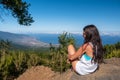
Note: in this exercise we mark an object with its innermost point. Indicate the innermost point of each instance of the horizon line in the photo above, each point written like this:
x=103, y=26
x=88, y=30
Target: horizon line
x=111, y=33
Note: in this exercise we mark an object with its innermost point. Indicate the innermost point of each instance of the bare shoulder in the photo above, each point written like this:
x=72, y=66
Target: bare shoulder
x=87, y=46
x=89, y=50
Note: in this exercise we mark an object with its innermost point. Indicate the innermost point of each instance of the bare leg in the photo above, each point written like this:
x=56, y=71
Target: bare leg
x=71, y=51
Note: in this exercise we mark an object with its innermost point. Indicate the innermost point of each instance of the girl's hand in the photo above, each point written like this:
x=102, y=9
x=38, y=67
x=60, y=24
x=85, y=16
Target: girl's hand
x=69, y=57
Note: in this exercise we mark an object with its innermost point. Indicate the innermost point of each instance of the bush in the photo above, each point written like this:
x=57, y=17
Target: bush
x=59, y=54
x=112, y=50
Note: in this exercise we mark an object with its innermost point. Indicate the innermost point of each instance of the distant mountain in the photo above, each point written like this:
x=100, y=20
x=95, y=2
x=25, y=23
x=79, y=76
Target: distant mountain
x=22, y=40
x=53, y=38
x=43, y=40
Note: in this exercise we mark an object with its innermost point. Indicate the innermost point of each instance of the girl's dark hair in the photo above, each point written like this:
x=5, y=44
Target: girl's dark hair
x=92, y=35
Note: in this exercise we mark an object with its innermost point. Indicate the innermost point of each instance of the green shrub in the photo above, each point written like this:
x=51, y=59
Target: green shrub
x=33, y=60
x=59, y=54
x=5, y=64
x=19, y=60
x=112, y=50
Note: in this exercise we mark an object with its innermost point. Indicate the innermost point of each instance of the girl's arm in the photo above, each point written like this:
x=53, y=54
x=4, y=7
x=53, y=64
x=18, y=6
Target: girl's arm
x=78, y=53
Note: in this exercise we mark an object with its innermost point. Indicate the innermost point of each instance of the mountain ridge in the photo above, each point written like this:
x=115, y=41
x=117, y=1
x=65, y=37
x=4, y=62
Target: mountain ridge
x=22, y=39
x=102, y=33
x=53, y=38
x=42, y=40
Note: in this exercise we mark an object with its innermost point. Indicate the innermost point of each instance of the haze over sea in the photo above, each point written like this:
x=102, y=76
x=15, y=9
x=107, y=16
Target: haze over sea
x=53, y=38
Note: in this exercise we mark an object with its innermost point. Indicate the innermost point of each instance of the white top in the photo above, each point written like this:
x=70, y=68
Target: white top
x=85, y=65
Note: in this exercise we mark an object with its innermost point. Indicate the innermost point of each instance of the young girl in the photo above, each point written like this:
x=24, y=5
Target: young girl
x=85, y=60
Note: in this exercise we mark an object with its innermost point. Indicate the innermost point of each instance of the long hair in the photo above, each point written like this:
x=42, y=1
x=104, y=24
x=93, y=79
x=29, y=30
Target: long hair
x=92, y=35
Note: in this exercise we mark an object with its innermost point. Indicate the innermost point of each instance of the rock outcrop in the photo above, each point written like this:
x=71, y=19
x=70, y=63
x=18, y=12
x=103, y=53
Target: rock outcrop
x=110, y=70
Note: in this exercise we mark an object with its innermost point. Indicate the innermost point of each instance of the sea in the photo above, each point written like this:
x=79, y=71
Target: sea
x=53, y=38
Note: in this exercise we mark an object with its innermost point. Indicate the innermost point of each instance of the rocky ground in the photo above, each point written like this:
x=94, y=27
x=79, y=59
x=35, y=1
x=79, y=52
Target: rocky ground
x=110, y=70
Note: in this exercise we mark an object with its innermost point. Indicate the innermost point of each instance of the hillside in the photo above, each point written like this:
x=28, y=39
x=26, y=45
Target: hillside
x=22, y=40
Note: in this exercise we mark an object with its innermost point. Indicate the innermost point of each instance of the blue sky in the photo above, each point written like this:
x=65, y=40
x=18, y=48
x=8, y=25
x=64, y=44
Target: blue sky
x=56, y=16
